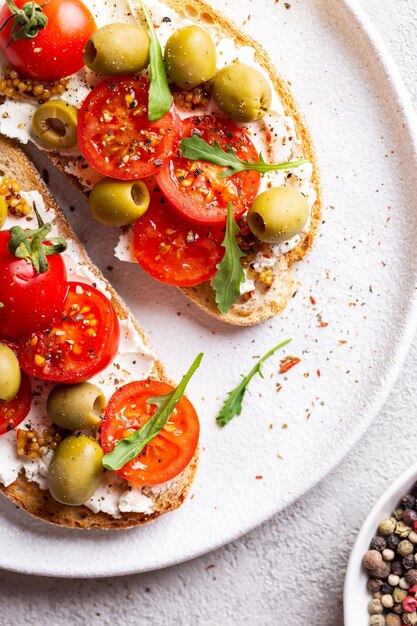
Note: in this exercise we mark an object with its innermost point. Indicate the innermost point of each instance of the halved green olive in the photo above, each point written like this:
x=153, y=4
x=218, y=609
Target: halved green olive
x=55, y=124
x=75, y=407
x=190, y=57
x=119, y=202
x=278, y=214
x=10, y=375
x=3, y=211
x=75, y=471
x=117, y=49
x=241, y=92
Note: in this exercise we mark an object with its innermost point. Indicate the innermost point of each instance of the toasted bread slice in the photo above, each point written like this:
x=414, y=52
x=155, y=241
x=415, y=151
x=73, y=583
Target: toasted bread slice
x=28, y=495
x=267, y=300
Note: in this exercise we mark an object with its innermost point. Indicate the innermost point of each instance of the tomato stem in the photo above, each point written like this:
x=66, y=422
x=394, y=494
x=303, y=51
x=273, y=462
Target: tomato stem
x=27, y=21
x=33, y=244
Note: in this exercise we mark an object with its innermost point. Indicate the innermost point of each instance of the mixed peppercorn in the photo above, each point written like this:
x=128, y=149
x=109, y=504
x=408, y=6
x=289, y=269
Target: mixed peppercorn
x=391, y=563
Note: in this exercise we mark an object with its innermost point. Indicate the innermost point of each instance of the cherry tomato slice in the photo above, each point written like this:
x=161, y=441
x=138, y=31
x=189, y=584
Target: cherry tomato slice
x=169, y=452
x=57, y=50
x=114, y=132
x=194, y=187
x=174, y=250
x=30, y=300
x=14, y=412
x=78, y=345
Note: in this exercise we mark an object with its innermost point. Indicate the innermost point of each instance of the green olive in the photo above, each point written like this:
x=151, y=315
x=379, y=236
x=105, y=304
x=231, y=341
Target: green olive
x=119, y=202
x=190, y=57
x=10, y=375
x=278, y=214
x=241, y=92
x=3, y=211
x=75, y=407
x=117, y=49
x=75, y=471
x=55, y=124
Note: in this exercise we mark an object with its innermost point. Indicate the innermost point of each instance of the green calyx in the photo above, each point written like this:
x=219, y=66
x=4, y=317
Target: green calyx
x=34, y=245
x=27, y=21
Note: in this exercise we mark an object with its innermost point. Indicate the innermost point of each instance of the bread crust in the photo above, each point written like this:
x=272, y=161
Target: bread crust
x=266, y=303
x=28, y=495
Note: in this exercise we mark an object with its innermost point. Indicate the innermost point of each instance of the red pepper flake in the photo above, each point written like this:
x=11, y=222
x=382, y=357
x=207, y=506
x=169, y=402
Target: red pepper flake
x=210, y=566
x=318, y=373
x=308, y=416
x=312, y=300
x=323, y=324
x=288, y=363
x=279, y=387
x=258, y=477
x=342, y=342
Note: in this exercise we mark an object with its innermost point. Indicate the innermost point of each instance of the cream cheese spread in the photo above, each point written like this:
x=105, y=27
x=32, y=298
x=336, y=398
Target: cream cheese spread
x=134, y=361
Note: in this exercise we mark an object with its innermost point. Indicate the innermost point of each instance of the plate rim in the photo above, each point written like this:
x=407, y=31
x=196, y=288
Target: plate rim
x=406, y=110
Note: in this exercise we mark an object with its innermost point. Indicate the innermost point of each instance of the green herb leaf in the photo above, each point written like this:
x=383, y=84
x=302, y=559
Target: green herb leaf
x=233, y=404
x=130, y=447
x=229, y=273
x=33, y=244
x=27, y=21
x=160, y=97
x=197, y=149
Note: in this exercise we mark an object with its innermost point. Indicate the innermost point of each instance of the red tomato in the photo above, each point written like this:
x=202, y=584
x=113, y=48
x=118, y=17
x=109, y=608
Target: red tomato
x=57, y=49
x=114, y=132
x=78, y=345
x=30, y=300
x=194, y=188
x=14, y=412
x=172, y=249
x=169, y=452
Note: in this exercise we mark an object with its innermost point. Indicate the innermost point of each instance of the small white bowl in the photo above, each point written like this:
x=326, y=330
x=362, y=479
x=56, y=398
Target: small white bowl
x=355, y=595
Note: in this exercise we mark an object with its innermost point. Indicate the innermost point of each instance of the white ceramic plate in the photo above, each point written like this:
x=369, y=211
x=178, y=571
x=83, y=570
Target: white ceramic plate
x=362, y=273
x=355, y=596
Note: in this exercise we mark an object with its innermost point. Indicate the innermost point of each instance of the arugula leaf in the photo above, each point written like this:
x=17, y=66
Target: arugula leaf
x=229, y=273
x=197, y=149
x=233, y=404
x=130, y=447
x=160, y=97
x=33, y=244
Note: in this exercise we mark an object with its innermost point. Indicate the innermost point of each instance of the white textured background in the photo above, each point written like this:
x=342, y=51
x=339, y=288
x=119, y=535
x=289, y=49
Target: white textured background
x=288, y=572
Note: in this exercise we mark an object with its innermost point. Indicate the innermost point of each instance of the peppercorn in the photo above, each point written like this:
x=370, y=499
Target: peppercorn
x=388, y=555
x=399, y=594
x=374, y=584
x=403, y=584
x=386, y=588
x=392, y=620
x=410, y=618
x=373, y=562
x=403, y=530
x=377, y=620
x=396, y=568
x=375, y=606
x=408, y=501
x=392, y=541
x=409, y=517
x=411, y=577
x=412, y=536
x=378, y=543
x=398, y=513
x=398, y=608
x=408, y=561
x=387, y=601
x=387, y=526
x=393, y=580
x=404, y=548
